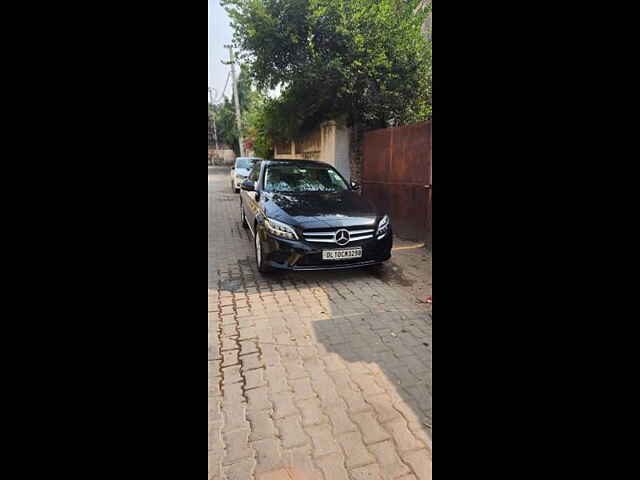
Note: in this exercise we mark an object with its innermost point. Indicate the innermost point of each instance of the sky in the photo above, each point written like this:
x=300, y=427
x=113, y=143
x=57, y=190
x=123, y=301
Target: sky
x=220, y=34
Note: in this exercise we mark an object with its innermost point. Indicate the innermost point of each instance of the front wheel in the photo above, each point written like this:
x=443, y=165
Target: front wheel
x=262, y=266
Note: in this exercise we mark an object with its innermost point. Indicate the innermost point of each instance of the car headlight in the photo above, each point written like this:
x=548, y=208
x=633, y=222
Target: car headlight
x=383, y=227
x=280, y=229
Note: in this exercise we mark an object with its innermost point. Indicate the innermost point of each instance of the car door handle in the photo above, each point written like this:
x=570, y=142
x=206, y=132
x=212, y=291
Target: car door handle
x=427, y=186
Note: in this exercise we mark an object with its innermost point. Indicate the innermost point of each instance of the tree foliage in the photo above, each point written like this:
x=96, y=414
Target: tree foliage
x=366, y=59
x=226, y=128
x=225, y=113
x=256, y=124
x=244, y=87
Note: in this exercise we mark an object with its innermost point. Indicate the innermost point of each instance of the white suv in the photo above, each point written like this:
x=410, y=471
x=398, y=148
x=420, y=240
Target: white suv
x=240, y=171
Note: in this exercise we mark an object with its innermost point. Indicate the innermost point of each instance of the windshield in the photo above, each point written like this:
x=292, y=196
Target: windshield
x=246, y=163
x=297, y=179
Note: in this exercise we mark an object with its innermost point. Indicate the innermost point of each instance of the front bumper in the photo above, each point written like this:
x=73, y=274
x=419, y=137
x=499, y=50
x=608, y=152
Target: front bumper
x=303, y=255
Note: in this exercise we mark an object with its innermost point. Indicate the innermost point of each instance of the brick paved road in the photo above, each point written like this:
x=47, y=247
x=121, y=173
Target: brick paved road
x=311, y=375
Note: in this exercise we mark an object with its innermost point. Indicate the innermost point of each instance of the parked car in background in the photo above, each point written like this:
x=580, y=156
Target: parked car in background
x=240, y=171
x=305, y=216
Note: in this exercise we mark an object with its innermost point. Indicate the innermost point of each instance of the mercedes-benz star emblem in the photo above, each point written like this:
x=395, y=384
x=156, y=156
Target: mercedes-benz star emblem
x=343, y=237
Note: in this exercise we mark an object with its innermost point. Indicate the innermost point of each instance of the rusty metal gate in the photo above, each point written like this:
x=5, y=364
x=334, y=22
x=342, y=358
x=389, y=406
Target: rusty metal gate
x=396, y=176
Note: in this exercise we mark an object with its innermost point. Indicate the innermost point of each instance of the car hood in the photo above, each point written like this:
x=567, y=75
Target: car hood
x=242, y=172
x=322, y=210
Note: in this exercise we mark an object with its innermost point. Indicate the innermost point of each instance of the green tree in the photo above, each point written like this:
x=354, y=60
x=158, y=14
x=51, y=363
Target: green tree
x=366, y=59
x=226, y=124
x=257, y=126
x=244, y=88
x=226, y=114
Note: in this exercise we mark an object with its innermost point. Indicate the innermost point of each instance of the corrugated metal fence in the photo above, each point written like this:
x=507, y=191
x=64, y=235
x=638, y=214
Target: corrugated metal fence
x=397, y=176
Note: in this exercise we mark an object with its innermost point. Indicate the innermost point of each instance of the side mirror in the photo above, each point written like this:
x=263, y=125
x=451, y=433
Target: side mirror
x=248, y=186
x=355, y=186
x=233, y=168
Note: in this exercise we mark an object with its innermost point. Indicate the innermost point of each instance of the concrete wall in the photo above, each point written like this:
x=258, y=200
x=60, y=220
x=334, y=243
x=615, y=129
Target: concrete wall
x=328, y=143
x=342, y=153
x=222, y=157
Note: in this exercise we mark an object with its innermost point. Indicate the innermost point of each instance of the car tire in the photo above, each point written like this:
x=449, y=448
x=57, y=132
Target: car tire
x=243, y=219
x=257, y=246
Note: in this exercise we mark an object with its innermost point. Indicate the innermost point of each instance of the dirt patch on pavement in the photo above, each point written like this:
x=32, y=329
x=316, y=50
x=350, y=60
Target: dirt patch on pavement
x=393, y=275
x=411, y=268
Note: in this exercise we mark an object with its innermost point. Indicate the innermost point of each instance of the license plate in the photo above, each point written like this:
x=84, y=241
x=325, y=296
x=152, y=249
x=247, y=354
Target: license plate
x=344, y=254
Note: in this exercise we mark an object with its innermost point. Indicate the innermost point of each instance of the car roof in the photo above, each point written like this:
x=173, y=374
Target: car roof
x=297, y=162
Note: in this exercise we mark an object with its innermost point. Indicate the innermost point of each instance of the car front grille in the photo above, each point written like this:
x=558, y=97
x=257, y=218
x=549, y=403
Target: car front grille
x=329, y=235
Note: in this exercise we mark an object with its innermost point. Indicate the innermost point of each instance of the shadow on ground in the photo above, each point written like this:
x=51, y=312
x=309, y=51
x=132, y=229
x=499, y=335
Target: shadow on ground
x=394, y=350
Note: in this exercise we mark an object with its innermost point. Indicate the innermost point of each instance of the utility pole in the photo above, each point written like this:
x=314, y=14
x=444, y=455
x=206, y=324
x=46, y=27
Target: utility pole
x=213, y=114
x=235, y=96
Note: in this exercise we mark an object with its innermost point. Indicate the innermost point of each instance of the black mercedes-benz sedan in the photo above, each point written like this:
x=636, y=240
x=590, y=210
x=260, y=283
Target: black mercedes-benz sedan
x=305, y=216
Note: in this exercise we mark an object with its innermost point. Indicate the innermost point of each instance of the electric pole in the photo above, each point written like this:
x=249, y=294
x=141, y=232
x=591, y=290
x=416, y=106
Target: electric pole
x=235, y=96
x=213, y=114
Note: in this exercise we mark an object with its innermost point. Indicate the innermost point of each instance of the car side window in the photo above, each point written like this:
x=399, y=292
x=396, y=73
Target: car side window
x=255, y=172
